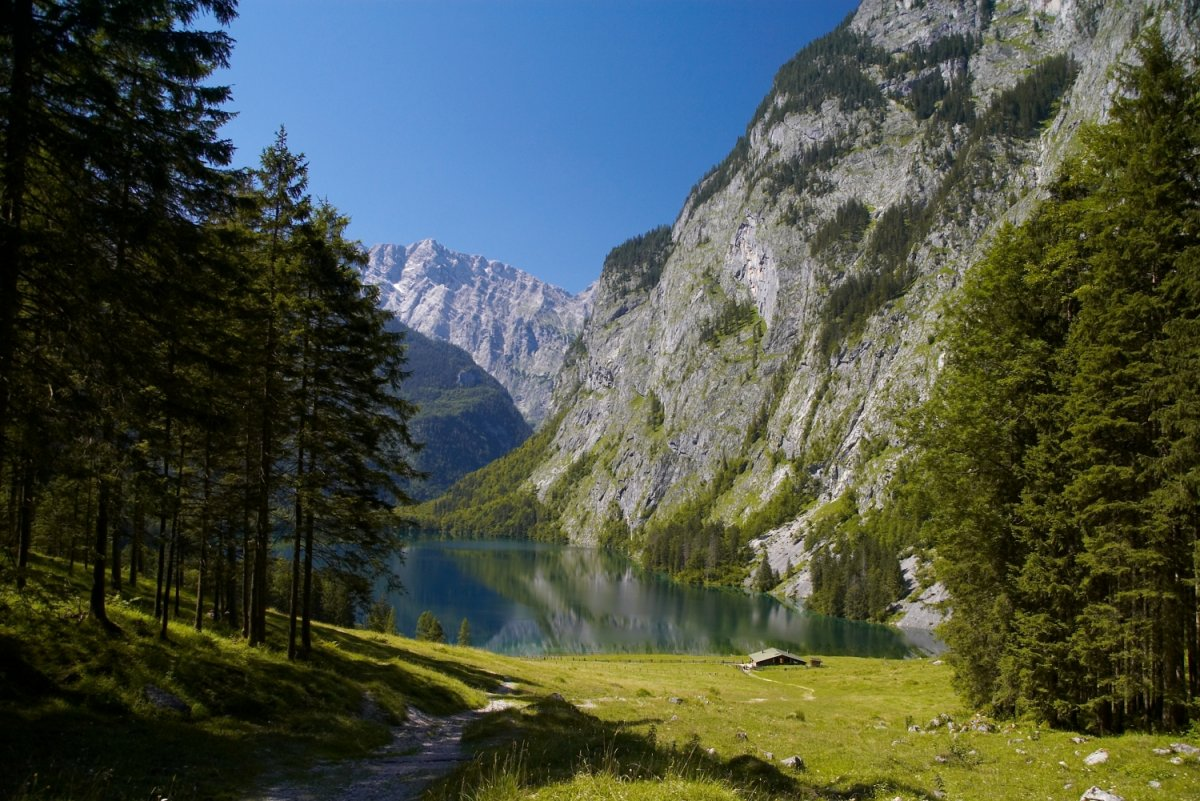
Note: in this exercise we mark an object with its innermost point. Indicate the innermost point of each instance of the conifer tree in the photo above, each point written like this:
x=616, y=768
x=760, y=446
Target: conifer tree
x=109, y=150
x=1060, y=441
x=429, y=628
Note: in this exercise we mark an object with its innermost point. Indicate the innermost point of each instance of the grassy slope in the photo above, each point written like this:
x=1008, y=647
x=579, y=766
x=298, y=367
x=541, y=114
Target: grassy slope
x=74, y=722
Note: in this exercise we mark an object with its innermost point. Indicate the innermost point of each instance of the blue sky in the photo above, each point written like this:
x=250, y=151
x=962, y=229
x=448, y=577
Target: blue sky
x=537, y=132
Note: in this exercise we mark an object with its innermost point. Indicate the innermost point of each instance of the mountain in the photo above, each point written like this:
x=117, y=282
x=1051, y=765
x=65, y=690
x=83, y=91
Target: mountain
x=513, y=325
x=466, y=419
x=745, y=375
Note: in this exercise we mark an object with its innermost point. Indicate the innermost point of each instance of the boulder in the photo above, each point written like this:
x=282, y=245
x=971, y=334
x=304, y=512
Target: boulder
x=1096, y=794
x=796, y=763
x=165, y=700
x=1097, y=757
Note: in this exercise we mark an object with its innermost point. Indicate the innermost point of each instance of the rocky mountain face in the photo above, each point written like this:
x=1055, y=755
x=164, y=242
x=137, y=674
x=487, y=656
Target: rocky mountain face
x=790, y=320
x=513, y=325
x=465, y=418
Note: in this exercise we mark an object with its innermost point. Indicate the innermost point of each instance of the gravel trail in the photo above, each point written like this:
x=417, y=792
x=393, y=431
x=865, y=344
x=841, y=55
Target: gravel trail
x=422, y=749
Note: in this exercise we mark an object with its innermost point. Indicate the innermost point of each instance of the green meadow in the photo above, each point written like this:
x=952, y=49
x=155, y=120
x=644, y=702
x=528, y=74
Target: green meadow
x=77, y=720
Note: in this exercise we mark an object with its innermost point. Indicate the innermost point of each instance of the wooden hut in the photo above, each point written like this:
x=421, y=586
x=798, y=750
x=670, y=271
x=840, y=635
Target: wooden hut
x=773, y=656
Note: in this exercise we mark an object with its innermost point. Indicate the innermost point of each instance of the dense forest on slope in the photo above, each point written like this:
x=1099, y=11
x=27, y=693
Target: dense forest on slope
x=1060, y=447
x=193, y=380
x=465, y=419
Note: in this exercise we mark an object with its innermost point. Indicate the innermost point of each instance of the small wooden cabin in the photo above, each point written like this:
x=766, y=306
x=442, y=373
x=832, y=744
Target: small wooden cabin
x=773, y=656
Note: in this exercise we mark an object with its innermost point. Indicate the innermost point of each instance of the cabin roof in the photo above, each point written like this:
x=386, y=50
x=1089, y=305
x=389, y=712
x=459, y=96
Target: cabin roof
x=772, y=653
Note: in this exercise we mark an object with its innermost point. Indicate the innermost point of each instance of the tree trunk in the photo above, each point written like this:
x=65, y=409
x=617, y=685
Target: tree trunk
x=200, y=586
x=166, y=584
x=159, y=575
x=294, y=600
x=24, y=521
x=178, y=567
x=12, y=197
x=135, y=544
x=247, y=551
x=231, y=607
x=306, y=623
x=204, y=532
x=116, y=544
x=96, y=605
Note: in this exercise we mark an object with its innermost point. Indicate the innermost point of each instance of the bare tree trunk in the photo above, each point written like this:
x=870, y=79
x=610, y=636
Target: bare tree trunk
x=294, y=600
x=247, y=553
x=231, y=610
x=162, y=559
x=204, y=532
x=166, y=584
x=306, y=624
x=24, y=521
x=116, y=545
x=178, y=570
x=135, y=545
x=96, y=604
x=200, y=587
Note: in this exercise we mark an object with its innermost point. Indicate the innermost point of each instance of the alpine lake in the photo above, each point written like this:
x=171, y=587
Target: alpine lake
x=535, y=599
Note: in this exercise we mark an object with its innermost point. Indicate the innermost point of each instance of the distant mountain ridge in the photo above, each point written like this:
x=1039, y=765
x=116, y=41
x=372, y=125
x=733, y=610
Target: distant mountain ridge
x=514, y=325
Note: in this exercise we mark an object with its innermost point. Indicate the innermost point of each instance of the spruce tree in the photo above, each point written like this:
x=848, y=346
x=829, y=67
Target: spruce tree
x=109, y=150
x=429, y=628
x=1060, y=442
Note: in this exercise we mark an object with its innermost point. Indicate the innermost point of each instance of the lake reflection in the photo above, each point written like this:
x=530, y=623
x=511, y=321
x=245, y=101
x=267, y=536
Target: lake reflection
x=531, y=598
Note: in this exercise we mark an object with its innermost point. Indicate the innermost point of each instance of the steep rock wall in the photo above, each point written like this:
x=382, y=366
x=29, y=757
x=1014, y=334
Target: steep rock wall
x=746, y=349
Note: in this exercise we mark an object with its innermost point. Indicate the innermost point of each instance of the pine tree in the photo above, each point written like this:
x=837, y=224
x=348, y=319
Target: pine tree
x=764, y=576
x=351, y=440
x=283, y=210
x=429, y=628
x=464, y=633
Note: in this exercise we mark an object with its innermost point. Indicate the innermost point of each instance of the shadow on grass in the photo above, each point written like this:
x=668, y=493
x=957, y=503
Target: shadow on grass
x=91, y=756
x=384, y=658
x=551, y=741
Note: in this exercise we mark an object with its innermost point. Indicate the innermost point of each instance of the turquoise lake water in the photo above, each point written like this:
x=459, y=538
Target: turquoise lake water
x=532, y=599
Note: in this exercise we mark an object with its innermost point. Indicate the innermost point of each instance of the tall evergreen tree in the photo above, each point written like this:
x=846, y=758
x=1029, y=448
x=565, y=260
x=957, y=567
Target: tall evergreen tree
x=1060, y=441
x=110, y=146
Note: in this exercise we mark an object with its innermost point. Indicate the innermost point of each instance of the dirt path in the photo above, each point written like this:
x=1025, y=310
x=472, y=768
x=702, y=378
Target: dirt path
x=423, y=748
x=811, y=694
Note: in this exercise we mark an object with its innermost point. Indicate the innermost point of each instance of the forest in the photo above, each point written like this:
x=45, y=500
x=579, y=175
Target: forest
x=194, y=383
x=1060, y=452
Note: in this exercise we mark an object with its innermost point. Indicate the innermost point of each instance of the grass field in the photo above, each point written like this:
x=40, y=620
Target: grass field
x=76, y=721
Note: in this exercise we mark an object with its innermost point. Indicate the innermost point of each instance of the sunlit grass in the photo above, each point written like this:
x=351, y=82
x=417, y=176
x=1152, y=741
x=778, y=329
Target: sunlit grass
x=76, y=721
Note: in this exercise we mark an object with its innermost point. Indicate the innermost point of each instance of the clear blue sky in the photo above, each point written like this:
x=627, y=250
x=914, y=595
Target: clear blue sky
x=537, y=132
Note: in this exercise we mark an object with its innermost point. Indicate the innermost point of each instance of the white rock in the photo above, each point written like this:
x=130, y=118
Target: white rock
x=514, y=325
x=1098, y=757
x=1096, y=794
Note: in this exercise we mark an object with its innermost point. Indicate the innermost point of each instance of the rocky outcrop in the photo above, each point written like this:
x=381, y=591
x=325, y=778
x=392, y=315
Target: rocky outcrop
x=514, y=325
x=795, y=320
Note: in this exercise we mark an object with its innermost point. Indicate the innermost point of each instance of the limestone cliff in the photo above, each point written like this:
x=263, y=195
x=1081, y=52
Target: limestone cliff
x=793, y=319
x=513, y=325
